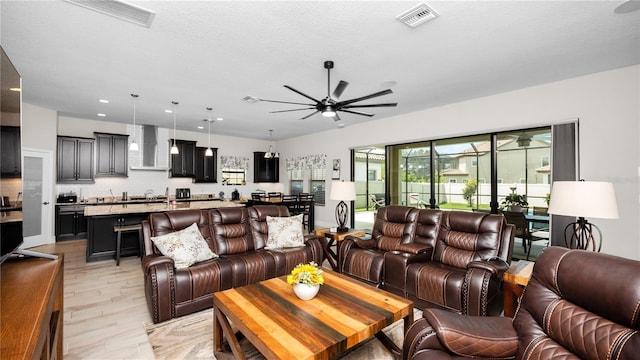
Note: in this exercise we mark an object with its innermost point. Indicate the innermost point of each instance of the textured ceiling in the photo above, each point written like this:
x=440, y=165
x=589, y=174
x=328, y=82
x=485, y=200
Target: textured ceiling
x=214, y=53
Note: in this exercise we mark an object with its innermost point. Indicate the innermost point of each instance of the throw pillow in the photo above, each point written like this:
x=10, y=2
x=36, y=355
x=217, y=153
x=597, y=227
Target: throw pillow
x=185, y=247
x=284, y=232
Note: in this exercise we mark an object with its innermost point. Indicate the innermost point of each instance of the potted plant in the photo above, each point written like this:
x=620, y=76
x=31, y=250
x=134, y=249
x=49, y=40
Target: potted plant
x=514, y=201
x=306, y=280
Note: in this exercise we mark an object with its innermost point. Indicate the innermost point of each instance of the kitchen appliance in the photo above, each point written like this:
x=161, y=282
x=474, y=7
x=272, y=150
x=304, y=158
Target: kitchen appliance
x=183, y=193
x=5, y=201
x=69, y=197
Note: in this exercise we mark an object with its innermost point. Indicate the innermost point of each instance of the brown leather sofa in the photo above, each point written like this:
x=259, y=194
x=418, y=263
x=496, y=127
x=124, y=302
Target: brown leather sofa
x=448, y=259
x=577, y=305
x=237, y=235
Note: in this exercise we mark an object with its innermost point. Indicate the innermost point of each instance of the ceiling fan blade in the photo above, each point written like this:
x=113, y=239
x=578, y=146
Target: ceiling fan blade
x=301, y=93
x=284, y=102
x=371, y=105
x=356, y=112
x=339, y=89
x=281, y=111
x=370, y=96
x=310, y=115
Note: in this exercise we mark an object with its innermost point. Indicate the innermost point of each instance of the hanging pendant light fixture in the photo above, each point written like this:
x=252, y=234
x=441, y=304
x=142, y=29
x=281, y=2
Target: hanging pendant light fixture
x=174, y=148
x=134, y=144
x=270, y=154
x=209, y=152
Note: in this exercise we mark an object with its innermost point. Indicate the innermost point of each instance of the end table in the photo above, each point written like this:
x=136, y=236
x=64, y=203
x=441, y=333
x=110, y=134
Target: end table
x=331, y=236
x=515, y=280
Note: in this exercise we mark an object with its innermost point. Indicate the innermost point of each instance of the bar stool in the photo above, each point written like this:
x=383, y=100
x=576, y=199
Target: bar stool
x=119, y=229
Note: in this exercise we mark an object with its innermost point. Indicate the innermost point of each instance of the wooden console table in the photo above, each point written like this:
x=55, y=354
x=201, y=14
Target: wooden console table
x=515, y=280
x=32, y=296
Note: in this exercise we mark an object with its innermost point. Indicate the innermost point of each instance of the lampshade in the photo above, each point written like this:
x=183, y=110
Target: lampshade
x=343, y=190
x=587, y=199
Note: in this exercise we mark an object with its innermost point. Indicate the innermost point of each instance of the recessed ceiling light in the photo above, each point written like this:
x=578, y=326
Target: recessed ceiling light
x=219, y=119
x=102, y=115
x=200, y=127
x=169, y=111
x=15, y=89
x=388, y=83
x=104, y=101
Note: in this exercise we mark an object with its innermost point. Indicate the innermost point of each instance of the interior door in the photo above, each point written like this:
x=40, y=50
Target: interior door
x=37, y=209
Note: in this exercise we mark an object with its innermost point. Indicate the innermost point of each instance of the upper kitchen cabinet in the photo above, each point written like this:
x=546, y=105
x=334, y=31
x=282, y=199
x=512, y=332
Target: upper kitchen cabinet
x=205, y=166
x=10, y=165
x=265, y=170
x=182, y=164
x=111, y=155
x=75, y=160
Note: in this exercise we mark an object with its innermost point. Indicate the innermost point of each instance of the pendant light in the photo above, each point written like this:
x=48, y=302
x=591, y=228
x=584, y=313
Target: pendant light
x=134, y=144
x=174, y=148
x=209, y=152
x=270, y=154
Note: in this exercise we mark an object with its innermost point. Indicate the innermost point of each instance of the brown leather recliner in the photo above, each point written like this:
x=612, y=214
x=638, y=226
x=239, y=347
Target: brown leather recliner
x=363, y=258
x=232, y=234
x=465, y=272
x=577, y=305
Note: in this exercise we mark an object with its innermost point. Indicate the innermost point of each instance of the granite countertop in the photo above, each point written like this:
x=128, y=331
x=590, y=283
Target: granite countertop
x=108, y=200
x=134, y=208
x=10, y=216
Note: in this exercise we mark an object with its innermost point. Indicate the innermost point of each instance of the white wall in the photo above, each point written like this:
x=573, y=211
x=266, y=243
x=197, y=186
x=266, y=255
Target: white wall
x=607, y=105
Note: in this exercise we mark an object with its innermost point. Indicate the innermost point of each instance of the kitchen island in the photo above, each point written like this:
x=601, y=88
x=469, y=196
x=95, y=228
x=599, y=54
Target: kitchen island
x=101, y=239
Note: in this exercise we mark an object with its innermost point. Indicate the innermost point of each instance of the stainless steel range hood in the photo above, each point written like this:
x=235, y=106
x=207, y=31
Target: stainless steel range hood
x=154, y=154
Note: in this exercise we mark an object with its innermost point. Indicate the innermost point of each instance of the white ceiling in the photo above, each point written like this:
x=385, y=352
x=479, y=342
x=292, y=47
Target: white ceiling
x=214, y=53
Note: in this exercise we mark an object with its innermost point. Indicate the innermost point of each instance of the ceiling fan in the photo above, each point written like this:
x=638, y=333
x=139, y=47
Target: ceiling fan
x=330, y=105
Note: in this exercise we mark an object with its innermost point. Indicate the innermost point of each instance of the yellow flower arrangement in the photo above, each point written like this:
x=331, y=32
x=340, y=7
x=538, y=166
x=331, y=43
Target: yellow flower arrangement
x=309, y=274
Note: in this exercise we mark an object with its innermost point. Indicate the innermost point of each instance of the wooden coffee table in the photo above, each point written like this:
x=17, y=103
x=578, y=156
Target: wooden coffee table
x=281, y=326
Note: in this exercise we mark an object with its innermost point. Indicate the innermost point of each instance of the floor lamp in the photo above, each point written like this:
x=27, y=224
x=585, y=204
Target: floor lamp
x=343, y=191
x=583, y=199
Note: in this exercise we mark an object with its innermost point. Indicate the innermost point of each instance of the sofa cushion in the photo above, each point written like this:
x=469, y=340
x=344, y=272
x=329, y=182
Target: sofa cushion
x=185, y=247
x=285, y=232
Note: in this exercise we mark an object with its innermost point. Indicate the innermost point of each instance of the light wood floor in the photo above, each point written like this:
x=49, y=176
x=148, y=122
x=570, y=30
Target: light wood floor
x=104, y=306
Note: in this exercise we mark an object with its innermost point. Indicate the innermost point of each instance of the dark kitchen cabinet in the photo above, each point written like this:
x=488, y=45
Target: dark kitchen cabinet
x=111, y=154
x=75, y=160
x=101, y=239
x=265, y=170
x=71, y=223
x=205, y=166
x=10, y=163
x=182, y=164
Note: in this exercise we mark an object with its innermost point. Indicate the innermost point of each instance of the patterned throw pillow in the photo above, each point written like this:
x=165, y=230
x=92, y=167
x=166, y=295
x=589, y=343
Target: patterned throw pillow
x=284, y=232
x=185, y=247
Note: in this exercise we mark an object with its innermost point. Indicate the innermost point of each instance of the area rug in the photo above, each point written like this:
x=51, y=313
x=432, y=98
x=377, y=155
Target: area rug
x=191, y=337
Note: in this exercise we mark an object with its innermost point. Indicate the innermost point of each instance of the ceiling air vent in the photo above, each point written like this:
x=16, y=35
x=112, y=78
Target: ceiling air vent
x=118, y=9
x=417, y=15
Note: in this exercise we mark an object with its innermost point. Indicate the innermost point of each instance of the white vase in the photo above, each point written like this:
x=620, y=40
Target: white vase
x=306, y=292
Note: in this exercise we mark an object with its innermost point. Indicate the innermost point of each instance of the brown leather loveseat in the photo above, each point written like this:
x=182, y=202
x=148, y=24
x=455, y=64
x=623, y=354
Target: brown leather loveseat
x=238, y=235
x=577, y=305
x=446, y=259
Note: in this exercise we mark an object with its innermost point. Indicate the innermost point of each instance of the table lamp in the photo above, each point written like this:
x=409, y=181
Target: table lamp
x=583, y=199
x=343, y=191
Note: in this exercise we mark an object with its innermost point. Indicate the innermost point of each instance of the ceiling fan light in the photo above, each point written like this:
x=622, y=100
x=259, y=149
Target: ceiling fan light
x=328, y=111
x=208, y=152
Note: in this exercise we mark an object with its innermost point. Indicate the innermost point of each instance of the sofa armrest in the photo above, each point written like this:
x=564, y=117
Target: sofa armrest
x=155, y=260
x=414, y=248
x=472, y=336
x=363, y=242
x=495, y=265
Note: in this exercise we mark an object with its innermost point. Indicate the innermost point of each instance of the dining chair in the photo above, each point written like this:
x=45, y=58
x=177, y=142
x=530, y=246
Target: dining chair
x=274, y=195
x=304, y=207
x=518, y=219
x=291, y=202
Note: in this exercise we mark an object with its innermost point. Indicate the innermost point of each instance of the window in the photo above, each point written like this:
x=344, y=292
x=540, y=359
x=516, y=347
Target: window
x=544, y=161
x=371, y=175
x=474, y=161
x=296, y=182
x=233, y=177
x=318, y=186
